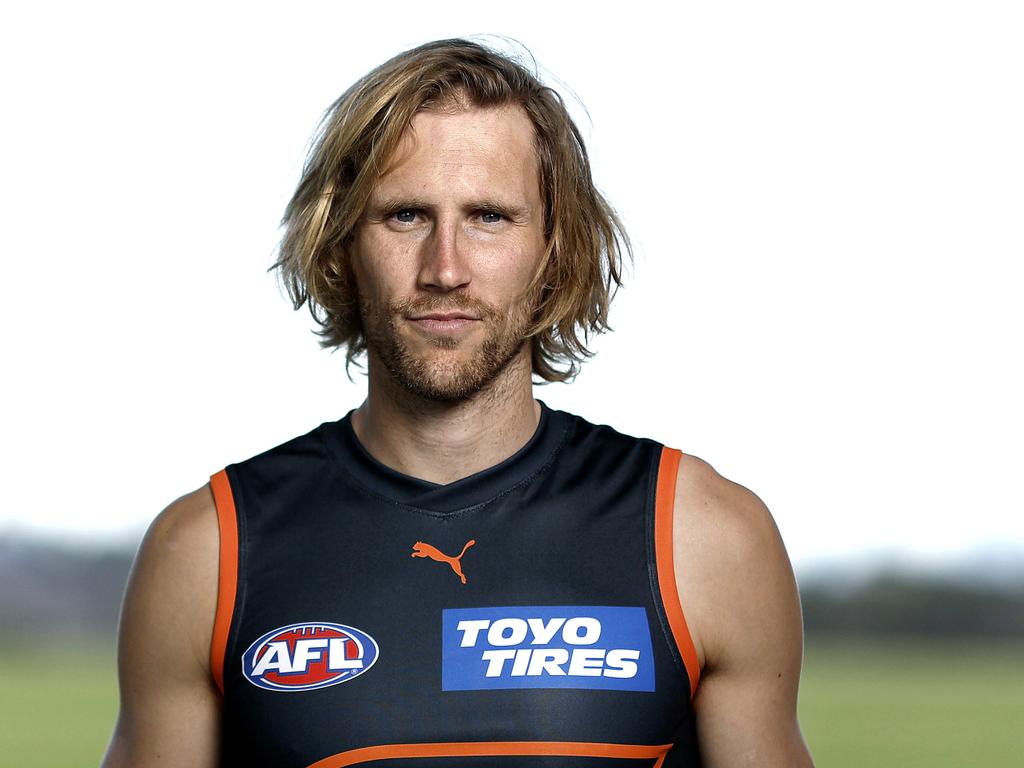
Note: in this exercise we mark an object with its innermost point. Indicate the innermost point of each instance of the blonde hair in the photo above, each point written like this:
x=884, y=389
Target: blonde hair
x=585, y=241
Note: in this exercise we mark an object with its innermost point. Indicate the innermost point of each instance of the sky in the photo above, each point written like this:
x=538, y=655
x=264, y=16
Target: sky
x=825, y=202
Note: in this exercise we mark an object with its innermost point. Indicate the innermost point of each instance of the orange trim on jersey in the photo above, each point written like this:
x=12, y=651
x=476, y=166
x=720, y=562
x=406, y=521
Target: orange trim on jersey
x=495, y=749
x=664, y=506
x=227, y=580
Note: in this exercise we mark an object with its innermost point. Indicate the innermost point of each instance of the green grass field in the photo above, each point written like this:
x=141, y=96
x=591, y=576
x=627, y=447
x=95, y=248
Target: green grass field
x=876, y=705
x=57, y=705
x=914, y=704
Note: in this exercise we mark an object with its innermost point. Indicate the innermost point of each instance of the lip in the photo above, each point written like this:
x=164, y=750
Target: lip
x=444, y=324
x=444, y=316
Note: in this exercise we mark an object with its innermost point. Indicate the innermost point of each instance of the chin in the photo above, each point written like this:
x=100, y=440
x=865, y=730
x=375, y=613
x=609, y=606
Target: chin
x=447, y=380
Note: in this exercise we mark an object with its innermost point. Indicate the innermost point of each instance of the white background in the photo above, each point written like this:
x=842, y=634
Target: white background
x=826, y=202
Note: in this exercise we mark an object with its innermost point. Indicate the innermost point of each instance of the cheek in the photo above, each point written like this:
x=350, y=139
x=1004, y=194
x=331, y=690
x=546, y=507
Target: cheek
x=380, y=272
x=519, y=269
x=503, y=271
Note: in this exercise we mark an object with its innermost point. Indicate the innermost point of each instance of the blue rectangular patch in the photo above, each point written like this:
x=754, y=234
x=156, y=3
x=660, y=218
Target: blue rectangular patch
x=546, y=646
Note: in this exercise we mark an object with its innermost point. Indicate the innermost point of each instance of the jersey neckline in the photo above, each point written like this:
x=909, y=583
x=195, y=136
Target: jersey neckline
x=473, y=490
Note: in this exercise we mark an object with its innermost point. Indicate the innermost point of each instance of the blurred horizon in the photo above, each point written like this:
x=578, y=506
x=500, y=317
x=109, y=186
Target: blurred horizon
x=996, y=564
x=54, y=590
x=993, y=561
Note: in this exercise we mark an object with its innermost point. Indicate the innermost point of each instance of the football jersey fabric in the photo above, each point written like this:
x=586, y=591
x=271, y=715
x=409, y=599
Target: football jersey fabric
x=524, y=616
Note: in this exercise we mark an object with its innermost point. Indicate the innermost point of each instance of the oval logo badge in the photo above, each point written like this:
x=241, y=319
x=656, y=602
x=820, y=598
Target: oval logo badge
x=301, y=657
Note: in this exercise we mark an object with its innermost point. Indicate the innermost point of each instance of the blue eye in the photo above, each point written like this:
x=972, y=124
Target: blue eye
x=402, y=213
x=491, y=213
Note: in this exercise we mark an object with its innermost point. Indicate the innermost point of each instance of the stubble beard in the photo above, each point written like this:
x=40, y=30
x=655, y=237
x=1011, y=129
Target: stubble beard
x=443, y=377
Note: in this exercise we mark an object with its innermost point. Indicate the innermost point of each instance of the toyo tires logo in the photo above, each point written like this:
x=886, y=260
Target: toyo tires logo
x=546, y=646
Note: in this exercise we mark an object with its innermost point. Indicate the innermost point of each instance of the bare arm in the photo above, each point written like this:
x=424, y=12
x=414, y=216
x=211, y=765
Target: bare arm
x=740, y=598
x=170, y=708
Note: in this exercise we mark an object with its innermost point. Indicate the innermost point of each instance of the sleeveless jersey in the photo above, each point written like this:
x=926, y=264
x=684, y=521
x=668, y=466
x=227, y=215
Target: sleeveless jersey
x=525, y=616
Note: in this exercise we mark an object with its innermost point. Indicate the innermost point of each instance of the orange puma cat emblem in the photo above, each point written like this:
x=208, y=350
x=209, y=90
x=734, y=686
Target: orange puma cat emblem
x=421, y=549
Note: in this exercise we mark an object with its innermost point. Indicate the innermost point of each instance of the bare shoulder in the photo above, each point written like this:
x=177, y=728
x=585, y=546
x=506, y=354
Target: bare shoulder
x=169, y=704
x=189, y=519
x=742, y=608
x=187, y=523
x=732, y=569
x=178, y=562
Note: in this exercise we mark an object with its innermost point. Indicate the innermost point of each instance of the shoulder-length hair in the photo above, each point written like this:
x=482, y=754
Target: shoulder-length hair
x=585, y=241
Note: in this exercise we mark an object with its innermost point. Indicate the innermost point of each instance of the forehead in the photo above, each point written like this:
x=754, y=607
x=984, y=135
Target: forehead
x=476, y=150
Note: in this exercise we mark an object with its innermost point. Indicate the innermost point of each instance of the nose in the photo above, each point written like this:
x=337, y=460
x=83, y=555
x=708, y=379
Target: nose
x=444, y=266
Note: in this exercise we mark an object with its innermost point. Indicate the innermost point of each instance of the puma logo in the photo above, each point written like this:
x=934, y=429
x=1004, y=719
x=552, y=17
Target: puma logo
x=422, y=549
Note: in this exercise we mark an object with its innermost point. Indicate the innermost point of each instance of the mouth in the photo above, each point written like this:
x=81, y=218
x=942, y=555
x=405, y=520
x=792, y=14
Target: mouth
x=454, y=315
x=444, y=323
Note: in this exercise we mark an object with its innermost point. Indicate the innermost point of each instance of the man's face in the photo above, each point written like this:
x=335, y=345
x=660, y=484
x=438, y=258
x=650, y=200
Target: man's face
x=445, y=249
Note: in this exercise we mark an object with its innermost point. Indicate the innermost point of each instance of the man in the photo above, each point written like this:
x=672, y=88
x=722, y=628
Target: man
x=454, y=573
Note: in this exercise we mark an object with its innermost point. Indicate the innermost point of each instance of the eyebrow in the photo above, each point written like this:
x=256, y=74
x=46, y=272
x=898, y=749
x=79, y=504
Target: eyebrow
x=404, y=202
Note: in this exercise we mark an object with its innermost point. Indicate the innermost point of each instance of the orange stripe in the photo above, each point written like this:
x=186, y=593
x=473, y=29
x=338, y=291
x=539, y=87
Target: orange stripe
x=495, y=749
x=664, y=505
x=228, y=573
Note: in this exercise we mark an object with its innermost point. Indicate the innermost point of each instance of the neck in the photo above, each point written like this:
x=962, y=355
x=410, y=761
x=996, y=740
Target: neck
x=442, y=441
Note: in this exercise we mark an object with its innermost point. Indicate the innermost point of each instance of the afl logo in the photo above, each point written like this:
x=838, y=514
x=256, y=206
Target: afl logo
x=301, y=657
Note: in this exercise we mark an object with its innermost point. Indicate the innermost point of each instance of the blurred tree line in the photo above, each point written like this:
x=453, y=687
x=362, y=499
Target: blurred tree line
x=53, y=591
x=892, y=603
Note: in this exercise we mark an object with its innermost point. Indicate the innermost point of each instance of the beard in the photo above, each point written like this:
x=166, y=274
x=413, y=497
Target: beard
x=436, y=374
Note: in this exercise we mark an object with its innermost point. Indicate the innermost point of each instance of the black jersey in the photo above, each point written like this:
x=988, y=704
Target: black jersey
x=524, y=616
